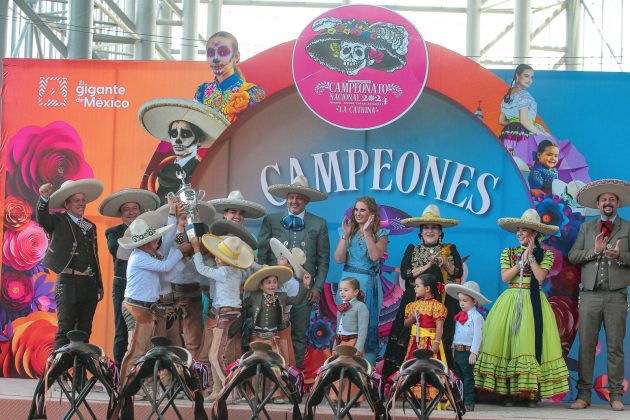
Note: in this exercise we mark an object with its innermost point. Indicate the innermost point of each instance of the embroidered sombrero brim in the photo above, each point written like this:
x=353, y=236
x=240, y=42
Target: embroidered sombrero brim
x=243, y=260
x=91, y=187
x=156, y=115
x=227, y=227
x=134, y=241
x=429, y=220
x=250, y=209
x=453, y=289
x=111, y=205
x=282, y=190
x=283, y=273
x=511, y=224
x=279, y=250
x=587, y=195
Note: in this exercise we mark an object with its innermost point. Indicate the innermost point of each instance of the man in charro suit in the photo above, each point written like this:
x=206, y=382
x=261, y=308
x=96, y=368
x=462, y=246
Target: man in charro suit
x=72, y=254
x=126, y=204
x=602, y=248
x=298, y=228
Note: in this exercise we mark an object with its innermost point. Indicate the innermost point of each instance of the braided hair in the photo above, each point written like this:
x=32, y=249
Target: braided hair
x=517, y=72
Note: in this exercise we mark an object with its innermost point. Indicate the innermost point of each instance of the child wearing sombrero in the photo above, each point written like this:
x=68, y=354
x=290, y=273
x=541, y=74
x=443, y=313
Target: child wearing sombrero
x=521, y=354
x=232, y=257
x=467, y=339
x=264, y=308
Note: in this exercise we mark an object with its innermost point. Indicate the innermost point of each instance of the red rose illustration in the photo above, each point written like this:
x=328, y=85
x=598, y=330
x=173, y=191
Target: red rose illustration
x=32, y=343
x=38, y=155
x=23, y=250
x=567, y=316
x=16, y=293
x=601, y=387
x=17, y=213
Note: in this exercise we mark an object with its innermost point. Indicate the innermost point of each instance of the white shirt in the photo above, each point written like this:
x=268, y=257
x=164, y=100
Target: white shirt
x=291, y=288
x=469, y=334
x=228, y=279
x=143, y=274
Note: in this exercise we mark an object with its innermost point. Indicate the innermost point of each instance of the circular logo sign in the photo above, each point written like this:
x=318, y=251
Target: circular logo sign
x=360, y=67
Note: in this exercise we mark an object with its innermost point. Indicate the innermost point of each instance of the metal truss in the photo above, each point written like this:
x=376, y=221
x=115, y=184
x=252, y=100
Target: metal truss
x=497, y=33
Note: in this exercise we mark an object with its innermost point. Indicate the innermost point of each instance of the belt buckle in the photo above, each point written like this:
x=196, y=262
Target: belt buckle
x=89, y=271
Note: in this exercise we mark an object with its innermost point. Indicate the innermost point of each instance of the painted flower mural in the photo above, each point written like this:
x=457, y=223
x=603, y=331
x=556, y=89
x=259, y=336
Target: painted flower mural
x=34, y=156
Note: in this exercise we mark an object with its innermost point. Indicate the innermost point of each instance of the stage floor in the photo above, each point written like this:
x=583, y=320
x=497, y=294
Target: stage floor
x=16, y=394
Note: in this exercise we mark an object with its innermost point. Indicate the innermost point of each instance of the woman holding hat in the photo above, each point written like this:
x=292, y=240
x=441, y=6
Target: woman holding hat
x=430, y=256
x=360, y=248
x=521, y=354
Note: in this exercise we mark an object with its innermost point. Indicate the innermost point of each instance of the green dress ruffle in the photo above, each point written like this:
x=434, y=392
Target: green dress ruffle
x=507, y=363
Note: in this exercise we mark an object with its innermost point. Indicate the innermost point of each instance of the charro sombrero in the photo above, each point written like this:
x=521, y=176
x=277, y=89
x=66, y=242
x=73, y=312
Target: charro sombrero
x=224, y=227
x=296, y=257
x=141, y=232
x=157, y=114
x=283, y=273
x=91, y=187
x=111, y=205
x=588, y=194
x=235, y=200
x=299, y=185
x=470, y=288
x=430, y=216
x=530, y=220
x=154, y=218
x=230, y=249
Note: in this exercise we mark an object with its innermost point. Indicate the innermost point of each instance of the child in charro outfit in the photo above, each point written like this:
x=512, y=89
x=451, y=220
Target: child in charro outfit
x=467, y=339
x=232, y=257
x=425, y=316
x=264, y=308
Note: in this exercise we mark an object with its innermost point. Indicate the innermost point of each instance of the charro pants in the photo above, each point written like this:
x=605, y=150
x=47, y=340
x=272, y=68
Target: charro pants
x=300, y=318
x=189, y=310
x=76, y=298
x=120, y=327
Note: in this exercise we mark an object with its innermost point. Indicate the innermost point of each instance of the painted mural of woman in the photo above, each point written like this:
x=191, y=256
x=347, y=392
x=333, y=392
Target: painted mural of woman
x=519, y=109
x=228, y=93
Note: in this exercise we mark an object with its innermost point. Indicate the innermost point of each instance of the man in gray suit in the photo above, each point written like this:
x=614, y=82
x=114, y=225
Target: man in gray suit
x=602, y=249
x=298, y=228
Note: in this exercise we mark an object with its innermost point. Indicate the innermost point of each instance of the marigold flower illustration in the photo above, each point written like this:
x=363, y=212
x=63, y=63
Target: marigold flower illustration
x=32, y=343
x=17, y=213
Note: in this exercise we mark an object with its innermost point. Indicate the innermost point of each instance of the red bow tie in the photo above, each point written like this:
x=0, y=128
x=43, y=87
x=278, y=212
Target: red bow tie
x=606, y=227
x=343, y=307
x=461, y=317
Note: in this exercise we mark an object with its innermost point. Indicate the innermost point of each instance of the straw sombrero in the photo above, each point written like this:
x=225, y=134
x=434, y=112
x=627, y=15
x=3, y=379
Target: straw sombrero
x=430, y=216
x=224, y=227
x=111, y=205
x=588, y=194
x=530, y=220
x=140, y=232
x=283, y=273
x=157, y=114
x=299, y=185
x=235, y=200
x=230, y=249
x=91, y=187
x=470, y=288
x=296, y=257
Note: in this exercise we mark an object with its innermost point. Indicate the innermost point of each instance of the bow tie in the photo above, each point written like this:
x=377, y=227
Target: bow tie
x=461, y=317
x=343, y=307
x=270, y=300
x=292, y=222
x=606, y=227
x=85, y=226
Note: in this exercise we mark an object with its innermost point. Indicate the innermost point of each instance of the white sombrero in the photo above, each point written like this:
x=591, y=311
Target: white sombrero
x=296, y=257
x=154, y=218
x=224, y=227
x=111, y=205
x=430, y=216
x=235, y=200
x=230, y=249
x=588, y=194
x=91, y=187
x=283, y=273
x=530, y=220
x=157, y=114
x=299, y=185
x=141, y=232
x=470, y=288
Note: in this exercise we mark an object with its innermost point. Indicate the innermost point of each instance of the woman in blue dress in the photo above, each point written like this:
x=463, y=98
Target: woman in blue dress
x=361, y=246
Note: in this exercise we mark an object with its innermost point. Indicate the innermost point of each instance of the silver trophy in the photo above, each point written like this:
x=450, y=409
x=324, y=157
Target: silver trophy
x=191, y=197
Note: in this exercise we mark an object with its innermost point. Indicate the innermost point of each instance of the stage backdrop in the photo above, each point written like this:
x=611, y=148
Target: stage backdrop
x=76, y=119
